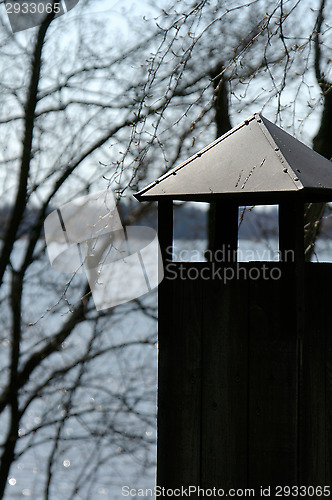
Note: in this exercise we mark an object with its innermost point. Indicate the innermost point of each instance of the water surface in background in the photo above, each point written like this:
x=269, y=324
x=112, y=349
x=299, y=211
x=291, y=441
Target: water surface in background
x=28, y=472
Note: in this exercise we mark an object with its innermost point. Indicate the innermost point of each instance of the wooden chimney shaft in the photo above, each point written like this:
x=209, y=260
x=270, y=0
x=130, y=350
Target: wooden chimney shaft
x=245, y=366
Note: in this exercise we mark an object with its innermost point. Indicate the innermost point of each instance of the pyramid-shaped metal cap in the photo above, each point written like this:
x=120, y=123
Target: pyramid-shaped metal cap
x=254, y=158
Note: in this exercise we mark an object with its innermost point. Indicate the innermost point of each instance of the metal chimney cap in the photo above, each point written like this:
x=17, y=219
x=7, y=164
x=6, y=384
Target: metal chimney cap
x=255, y=158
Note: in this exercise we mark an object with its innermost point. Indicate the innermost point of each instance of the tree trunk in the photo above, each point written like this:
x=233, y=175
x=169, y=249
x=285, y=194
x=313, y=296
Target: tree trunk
x=223, y=125
x=322, y=143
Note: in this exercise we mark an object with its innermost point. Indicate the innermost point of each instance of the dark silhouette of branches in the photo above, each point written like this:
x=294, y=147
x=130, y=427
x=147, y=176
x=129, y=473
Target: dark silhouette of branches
x=83, y=108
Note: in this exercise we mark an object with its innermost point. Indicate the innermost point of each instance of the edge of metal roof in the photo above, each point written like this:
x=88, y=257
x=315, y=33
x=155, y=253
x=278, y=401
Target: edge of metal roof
x=143, y=194
x=200, y=153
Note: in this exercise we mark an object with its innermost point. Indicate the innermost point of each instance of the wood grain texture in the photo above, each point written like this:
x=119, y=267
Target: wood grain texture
x=179, y=384
x=224, y=385
x=244, y=400
x=272, y=384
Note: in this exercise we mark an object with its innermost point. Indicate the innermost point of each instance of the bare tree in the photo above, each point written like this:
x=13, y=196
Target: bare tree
x=82, y=110
x=58, y=385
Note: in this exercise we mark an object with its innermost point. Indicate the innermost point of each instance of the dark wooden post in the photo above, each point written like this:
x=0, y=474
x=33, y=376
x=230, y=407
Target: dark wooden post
x=165, y=229
x=307, y=287
x=291, y=247
x=291, y=231
x=224, y=231
x=170, y=354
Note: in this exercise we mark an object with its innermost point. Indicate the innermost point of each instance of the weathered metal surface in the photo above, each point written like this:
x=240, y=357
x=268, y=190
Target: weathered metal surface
x=313, y=170
x=255, y=157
